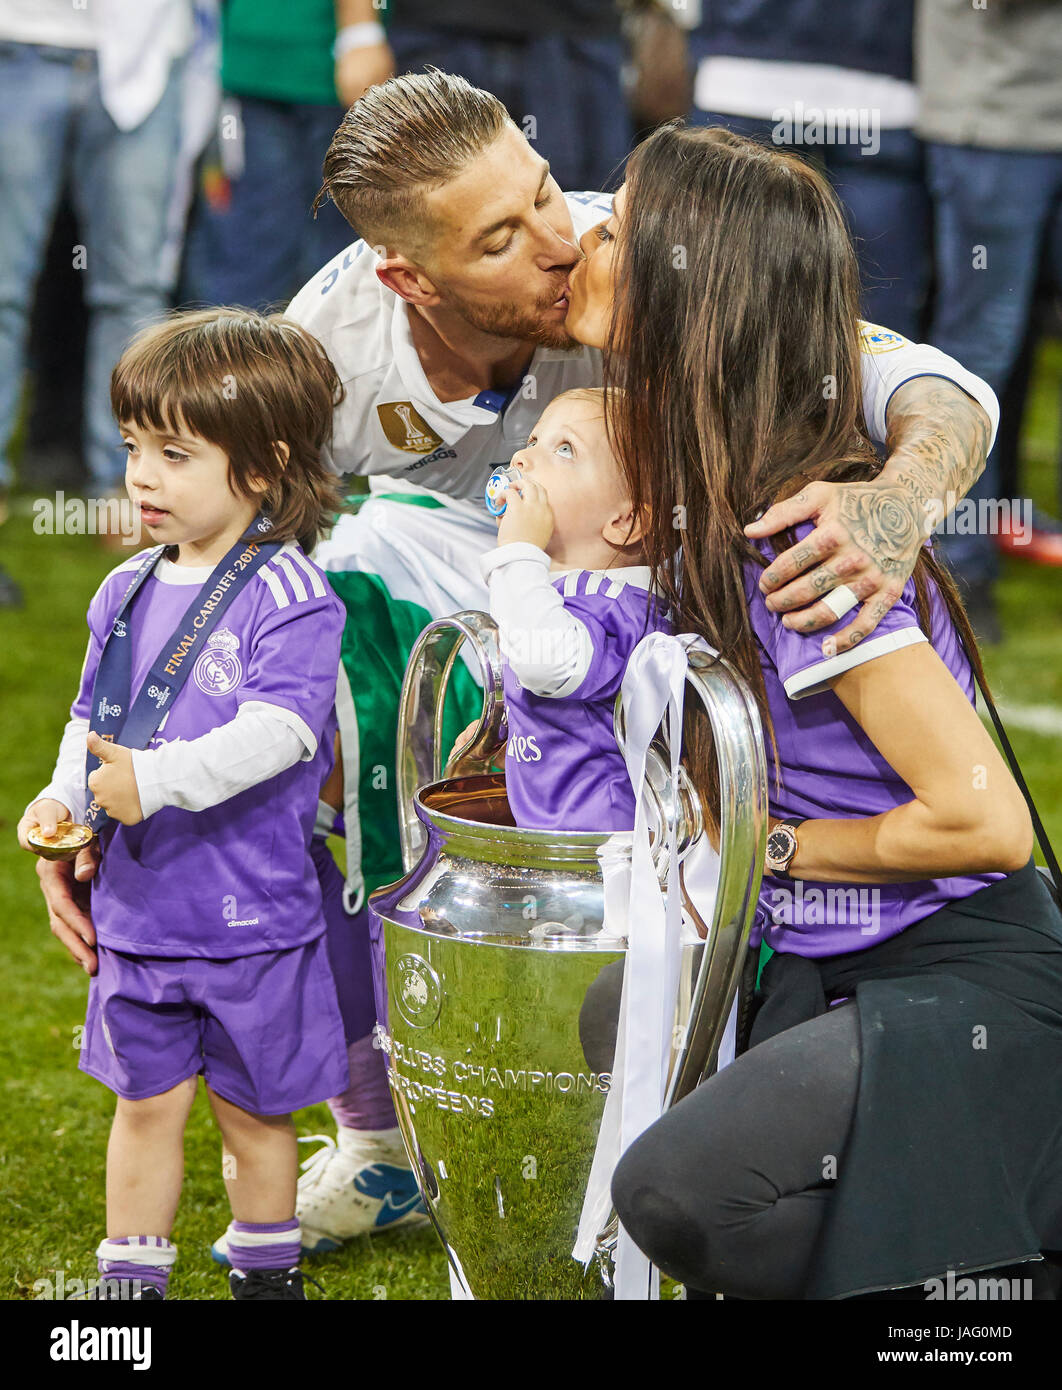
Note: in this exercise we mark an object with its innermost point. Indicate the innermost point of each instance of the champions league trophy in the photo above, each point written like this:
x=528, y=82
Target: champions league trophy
x=499, y=961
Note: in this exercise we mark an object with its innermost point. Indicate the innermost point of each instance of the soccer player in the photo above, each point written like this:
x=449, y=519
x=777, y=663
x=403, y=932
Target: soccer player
x=207, y=708
x=446, y=324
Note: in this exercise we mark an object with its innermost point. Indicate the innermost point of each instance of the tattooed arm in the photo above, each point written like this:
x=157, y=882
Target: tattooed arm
x=867, y=535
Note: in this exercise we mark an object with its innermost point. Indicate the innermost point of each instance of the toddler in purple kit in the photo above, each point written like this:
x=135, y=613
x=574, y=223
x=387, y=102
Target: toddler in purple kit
x=572, y=600
x=206, y=714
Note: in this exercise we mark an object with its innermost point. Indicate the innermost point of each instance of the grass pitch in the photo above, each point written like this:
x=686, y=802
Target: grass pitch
x=55, y=1120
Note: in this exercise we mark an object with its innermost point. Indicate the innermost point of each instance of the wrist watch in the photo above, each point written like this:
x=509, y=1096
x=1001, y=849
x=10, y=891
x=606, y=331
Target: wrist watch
x=782, y=846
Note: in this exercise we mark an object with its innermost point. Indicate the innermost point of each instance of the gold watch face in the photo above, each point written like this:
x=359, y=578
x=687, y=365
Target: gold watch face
x=781, y=845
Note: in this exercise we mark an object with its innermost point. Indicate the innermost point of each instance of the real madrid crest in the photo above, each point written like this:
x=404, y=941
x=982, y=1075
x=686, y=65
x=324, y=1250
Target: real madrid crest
x=875, y=339
x=218, y=669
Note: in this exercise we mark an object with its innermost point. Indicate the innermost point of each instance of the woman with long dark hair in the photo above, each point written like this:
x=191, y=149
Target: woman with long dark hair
x=899, y=1112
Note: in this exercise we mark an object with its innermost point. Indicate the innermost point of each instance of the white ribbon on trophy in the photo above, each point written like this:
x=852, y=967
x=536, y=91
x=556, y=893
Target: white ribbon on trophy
x=653, y=685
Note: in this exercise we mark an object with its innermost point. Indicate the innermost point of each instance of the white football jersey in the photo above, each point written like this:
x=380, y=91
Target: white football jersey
x=392, y=426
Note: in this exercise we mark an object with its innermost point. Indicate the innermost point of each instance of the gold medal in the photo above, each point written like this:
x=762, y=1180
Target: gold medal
x=68, y=840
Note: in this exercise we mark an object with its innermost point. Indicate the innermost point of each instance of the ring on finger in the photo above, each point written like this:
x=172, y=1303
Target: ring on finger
x=840, y=600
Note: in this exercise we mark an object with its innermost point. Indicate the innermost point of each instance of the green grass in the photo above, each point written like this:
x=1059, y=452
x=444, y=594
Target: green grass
x=1026, y=669
x=56, y=1120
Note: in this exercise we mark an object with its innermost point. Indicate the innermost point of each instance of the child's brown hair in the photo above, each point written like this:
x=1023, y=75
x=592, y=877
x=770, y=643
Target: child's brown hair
x=244, y=382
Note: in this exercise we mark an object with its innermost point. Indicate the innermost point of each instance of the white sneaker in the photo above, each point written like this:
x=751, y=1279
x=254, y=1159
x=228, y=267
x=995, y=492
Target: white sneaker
x=359, y=1185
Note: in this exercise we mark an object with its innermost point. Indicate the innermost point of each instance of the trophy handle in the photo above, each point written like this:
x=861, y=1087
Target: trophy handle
x=737, y=734
x=419, y=751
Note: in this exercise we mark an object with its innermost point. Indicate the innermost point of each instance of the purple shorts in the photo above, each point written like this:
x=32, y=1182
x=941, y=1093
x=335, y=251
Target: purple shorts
x=264, y=1029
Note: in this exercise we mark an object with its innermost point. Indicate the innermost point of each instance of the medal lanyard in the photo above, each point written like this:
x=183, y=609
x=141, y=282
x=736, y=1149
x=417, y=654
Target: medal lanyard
x=134, y=727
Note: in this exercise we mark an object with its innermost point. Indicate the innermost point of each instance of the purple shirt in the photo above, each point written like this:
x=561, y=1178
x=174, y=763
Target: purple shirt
x=563, y=767
x=236, y=878
x=831, y=770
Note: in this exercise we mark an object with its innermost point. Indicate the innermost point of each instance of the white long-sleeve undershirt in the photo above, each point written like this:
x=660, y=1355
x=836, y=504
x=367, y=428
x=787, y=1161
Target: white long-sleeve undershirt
x=548, y=648
x=194, y=774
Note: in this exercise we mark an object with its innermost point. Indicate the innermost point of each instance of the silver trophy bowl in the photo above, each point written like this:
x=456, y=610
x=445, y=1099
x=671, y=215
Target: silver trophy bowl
x=498, y=983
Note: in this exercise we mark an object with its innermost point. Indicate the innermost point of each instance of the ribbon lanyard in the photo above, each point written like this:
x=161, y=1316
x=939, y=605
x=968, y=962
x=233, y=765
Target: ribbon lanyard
x=653, y=690
x=110, y=715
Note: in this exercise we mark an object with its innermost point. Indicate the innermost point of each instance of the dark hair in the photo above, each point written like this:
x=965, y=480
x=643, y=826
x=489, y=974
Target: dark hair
x=734, y=338
x=400, y=140
x=242, y=381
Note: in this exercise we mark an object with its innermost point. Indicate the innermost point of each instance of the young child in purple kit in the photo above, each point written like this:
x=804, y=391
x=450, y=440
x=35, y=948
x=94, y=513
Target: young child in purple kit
x=572, y=600
x=206, y=904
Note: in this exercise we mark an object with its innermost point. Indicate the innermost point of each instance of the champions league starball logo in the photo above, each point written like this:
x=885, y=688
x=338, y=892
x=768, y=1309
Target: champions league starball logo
x=418, y=991
x=217, y=671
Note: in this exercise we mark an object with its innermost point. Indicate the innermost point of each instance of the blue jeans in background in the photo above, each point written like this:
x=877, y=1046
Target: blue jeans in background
x=884, y=195
x=994, y=210
x=55, y=129
x=264, y=245
x=570, y=86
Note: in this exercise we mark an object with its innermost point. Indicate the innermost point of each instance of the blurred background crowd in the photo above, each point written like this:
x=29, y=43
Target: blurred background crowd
x=167, y=152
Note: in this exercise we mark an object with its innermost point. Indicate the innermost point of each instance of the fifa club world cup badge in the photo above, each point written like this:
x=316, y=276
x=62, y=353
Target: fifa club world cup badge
x=218, y=670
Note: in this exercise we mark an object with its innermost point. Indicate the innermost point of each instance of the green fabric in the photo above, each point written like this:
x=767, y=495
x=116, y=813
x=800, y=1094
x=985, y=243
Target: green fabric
x=377, y=639
x=279, y=49
x=765, y=954
x=355, y=502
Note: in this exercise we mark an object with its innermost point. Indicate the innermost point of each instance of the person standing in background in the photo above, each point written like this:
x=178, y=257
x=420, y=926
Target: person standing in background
x=288, y=72
x=557, y=68
x=798, y=74
x=362, y=53
x=991, y=114
x=91, y=95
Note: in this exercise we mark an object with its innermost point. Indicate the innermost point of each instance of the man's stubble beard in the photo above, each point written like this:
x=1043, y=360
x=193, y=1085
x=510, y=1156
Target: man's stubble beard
x=507, y=321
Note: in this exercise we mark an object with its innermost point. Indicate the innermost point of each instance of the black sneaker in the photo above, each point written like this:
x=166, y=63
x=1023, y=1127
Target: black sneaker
x=284, y=1285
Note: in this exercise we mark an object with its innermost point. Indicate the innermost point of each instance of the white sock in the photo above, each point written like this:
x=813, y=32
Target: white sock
x=372, y=1144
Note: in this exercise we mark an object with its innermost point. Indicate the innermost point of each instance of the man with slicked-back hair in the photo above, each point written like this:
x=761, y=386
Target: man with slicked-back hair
x=446, y=325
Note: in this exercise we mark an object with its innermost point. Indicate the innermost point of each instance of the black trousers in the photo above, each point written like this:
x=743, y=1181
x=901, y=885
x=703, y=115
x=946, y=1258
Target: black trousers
x=728, y=1191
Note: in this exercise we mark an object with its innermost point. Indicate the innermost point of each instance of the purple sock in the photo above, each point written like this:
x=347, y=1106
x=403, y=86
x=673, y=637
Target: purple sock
x=263, y=1245
x=140, y=1260
x=366, y=1103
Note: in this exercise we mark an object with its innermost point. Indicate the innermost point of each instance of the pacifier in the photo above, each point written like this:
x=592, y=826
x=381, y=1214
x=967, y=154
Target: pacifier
x=498, y=481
